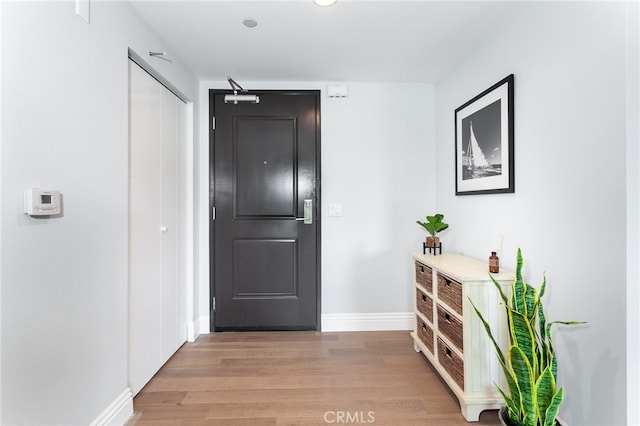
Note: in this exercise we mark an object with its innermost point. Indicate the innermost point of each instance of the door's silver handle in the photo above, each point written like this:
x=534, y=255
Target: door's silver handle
x=308, y=212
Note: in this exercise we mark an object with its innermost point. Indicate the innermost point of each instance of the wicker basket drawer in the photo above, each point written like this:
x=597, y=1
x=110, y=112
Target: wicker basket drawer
x=425, y=334
x=450, y=292
x=450, y=326
x=451, y=362
x=424, y=304
x=424, y=276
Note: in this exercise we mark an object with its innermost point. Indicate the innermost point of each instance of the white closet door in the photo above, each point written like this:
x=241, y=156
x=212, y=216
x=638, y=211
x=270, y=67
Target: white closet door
x=157, y=290
x=168, y=220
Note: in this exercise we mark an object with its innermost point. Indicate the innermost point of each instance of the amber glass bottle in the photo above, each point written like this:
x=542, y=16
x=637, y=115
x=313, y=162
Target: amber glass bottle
x=494, y=263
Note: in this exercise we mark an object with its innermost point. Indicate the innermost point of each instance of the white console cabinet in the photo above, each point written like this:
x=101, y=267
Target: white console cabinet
x=450, y=334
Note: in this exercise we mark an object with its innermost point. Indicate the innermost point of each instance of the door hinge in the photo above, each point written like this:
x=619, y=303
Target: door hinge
x=213, y=123
x=213, y=213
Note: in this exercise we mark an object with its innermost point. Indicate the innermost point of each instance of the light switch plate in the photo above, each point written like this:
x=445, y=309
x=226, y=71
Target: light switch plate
x=335, y=210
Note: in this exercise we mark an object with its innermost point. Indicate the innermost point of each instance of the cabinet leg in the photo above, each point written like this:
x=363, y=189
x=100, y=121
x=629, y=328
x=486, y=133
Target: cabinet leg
x=472, y=412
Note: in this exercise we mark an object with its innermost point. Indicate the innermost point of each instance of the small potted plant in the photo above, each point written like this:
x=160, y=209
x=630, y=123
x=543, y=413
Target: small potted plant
x=530, y=366
x=433, y=225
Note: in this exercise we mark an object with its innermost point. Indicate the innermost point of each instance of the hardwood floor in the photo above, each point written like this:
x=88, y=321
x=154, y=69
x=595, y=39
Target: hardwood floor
x=299, y=378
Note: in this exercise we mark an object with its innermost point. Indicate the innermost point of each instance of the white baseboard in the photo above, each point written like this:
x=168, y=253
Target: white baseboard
x=198, y=327
x=118, y=412
x=368, y=322
x=333, y=322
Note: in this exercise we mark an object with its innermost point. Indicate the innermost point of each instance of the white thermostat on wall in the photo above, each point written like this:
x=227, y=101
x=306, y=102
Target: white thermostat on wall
x=41, y=203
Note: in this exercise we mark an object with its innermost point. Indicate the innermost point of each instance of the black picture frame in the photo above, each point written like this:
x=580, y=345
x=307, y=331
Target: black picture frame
x=484, y=142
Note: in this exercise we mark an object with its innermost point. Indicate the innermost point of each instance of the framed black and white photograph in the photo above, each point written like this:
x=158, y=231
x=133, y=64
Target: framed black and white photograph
x=484, y=142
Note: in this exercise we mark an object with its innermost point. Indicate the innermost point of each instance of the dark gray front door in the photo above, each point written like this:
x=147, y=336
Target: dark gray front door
x=265, y=167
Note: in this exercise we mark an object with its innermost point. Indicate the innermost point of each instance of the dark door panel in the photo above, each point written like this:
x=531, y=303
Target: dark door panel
x=265, y=164
x=265, y=268
x=265, y=171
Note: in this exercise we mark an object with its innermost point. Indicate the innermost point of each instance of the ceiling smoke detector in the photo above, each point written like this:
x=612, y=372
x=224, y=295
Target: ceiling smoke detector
x=249, y=22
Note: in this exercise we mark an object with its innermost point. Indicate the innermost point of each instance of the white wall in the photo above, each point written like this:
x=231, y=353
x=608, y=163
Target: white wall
x=377, y=161
x=1, y=160
x=633, y=213
x=64, y=280
x=568, y=213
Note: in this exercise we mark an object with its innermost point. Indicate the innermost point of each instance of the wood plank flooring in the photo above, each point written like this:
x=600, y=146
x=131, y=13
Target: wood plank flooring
x=299, y=378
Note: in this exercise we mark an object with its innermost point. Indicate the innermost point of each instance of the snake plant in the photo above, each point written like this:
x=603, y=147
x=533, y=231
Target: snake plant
x=530, y=366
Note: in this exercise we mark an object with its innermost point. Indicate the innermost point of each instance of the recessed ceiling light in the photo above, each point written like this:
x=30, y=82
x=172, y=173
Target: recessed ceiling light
x=325, y=3
x=250, y=22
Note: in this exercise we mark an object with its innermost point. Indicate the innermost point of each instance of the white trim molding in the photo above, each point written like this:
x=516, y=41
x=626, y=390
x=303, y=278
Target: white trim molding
x=197, y=327
x=118, y=412
x=384, y=321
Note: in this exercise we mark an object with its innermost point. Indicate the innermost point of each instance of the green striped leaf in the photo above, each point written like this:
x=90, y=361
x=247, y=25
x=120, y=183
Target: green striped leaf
x=487, y=327
x=554, y=407
x=545, y=351
x=530, y=302
x=524, y=338
x=515, y=408
x=548, y=345
x=543, y=286
x=545, y=389
x=503, y=296
x=524, y=376
x=517, y=297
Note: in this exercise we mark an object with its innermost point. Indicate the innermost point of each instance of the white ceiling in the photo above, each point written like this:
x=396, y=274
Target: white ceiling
x=354, y=40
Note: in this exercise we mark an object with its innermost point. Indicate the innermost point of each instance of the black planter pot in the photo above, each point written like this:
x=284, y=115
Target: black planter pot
x=504, y=420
